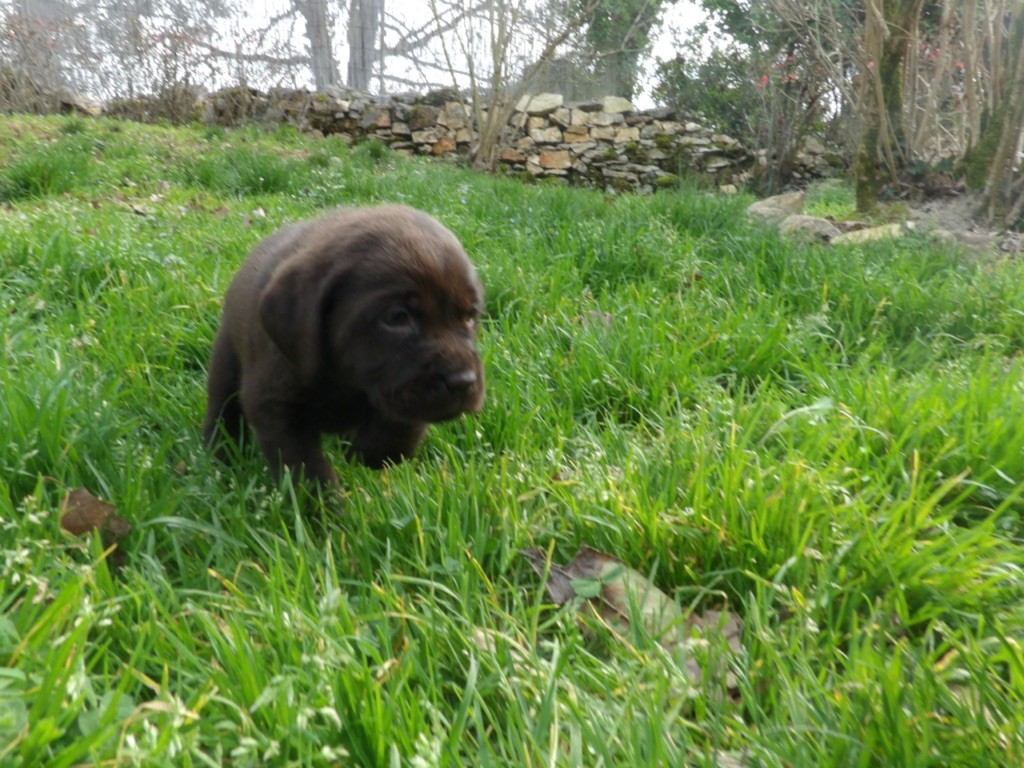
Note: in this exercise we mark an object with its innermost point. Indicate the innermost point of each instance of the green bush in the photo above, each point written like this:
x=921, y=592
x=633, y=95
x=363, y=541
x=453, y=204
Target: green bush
x=716, y=87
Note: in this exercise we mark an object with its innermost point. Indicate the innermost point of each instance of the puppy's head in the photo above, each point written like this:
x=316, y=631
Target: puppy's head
x=384, y=301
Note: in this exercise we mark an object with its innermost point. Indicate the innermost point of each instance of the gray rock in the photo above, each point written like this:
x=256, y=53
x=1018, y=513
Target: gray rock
x=83, y=105
x=884, y=232
x=562, y=117
x=539, y=104
x=1012, y=243
x=659, y=113
x=440, y=96
x=425, y=137
x=603, y=133
x=809, y=228
x=616, y=104
x=579, y=117
x=813, y=146
x=546, y=135
x=977, y=241
x=774, y=209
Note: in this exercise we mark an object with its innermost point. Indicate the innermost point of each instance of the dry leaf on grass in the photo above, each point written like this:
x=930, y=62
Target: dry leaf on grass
x=624, y=598
x=81, y=513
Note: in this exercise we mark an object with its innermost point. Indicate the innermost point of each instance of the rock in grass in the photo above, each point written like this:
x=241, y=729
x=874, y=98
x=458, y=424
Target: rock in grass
x=809, y=228
x=774, y=209
x=884, y=232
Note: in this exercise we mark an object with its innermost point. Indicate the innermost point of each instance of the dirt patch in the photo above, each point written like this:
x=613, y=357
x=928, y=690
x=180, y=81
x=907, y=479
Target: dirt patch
x=956, y=213
x=957, y=218
x=948, y=212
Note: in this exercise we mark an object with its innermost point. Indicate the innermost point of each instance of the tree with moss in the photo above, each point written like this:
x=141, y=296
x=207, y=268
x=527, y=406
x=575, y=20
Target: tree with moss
x=889, y=28
x=992, y=164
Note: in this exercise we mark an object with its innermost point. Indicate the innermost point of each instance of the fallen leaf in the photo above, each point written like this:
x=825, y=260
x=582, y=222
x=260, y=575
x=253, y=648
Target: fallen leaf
x=628, y=596
x=624, y=598
x=81, y=513
x=559, y=583
x=621, y=595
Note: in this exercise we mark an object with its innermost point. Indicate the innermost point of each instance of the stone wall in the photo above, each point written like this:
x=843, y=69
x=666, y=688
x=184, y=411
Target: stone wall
x=605, y=143
x=609, y=144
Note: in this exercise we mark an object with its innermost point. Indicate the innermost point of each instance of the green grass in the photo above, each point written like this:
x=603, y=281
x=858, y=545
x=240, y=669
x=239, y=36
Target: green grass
x=47, y=170
x=833, y=198
x=829, y=442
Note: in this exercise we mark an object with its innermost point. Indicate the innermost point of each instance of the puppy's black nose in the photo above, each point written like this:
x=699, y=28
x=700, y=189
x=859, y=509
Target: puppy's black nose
x=460, y=380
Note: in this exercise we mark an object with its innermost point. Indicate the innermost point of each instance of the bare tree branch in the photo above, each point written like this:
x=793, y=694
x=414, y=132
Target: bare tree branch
x=412, y=40
x=260, y=58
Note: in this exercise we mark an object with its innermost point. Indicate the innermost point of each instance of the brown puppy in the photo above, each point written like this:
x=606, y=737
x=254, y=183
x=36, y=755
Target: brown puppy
x=360, y=323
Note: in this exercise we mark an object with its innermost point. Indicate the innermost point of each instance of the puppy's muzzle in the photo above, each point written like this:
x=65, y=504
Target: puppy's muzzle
x=460, y=382
x=443, y=392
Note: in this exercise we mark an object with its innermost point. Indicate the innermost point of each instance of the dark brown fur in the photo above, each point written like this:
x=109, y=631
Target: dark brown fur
x=360, y=323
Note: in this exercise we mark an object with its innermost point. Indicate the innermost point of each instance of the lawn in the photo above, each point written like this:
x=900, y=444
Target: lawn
x=826, y=442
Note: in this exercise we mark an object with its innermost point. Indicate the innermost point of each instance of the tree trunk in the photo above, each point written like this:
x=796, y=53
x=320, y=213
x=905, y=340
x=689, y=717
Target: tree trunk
x=321, y=49
x=999, y=184
x=365, y=21
x=881, y=154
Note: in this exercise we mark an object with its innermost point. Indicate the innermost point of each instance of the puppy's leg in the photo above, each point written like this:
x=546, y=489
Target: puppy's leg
x=379, y=442
x=223, y=412
x=297, y=449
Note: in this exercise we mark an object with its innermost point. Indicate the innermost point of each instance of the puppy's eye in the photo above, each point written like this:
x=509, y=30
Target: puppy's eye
x=398, y=319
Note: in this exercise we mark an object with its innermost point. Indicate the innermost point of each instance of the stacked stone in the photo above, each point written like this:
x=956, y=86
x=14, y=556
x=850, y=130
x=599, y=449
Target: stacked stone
x=814, y=161
x=604, y=143
x=608, y=143
x=438, y=123
x=425, y=129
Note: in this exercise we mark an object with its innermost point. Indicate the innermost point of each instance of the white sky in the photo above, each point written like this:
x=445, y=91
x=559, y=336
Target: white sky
x=678, y=18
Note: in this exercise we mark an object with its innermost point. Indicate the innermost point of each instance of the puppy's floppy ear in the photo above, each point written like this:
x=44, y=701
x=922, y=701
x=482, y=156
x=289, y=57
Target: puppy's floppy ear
x=293, y=305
